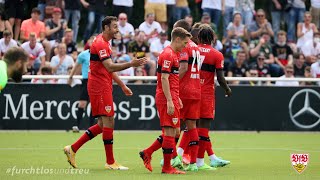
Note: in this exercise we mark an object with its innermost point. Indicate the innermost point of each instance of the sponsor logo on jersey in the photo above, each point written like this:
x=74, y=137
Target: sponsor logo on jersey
x=103, y=53
x=166, y=64
x=299, y=162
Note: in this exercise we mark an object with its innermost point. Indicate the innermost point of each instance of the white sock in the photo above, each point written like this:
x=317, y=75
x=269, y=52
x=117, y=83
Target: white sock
x=180, y=151
x=213, y=157
x=200, y=162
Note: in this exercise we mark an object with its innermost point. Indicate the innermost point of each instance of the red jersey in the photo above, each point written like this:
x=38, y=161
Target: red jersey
x=168, y=62
x=190, y=87
x=211, y=60
x=99, y=79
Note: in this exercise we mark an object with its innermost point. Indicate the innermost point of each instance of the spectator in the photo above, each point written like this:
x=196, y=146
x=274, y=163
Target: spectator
x=157, y=46
x=171, y=5
x=214, y=9
x=259, y=26
x=189, y=19
x=299, y=65
x=288, y=73
x=295, y=16
x=37, y=55
x=307, y=74
x=96, y=12
x=206, y=19
x=66, y=81
x=282, y=52
x=42, y=7
x=264, y=46
x=246, y=8
x=118, y=43
x=71, y=45
x=62, y=62
x=123, y=6
x=72, y=8
x=262, y=67
x=239, y=68
x=14, y=11
x=138, y=72
x=315, y=12
x=6, y=43
x=236, y=28
x=150, y=27
x=55, y=28
x=311, y=49
x=138, y=49
x=278, y=13
x=182, y=9
x=127, y=72
x=305, y=30
x=34, y=25
x=228, y=14
x=253, y=72
x=46, y=70
x=159, y=9
x=125, y=28
x=4, y=25
x=315, y=69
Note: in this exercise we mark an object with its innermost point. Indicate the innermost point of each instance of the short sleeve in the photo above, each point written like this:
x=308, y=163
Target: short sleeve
x=219, y=61
x=41, y=51
x=167, y=63
x=23, y=26
x=54, y=61
x=230, y=26
x=153, y=47
x=81, y=57
x=184, y=57
x=104, y=53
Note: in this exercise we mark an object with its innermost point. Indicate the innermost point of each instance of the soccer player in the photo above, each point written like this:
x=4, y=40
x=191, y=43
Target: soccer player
x=13, y=65
x=100, y=92
x=168, y=102
x=83, y=63
x=190, y=94
x=212, y=63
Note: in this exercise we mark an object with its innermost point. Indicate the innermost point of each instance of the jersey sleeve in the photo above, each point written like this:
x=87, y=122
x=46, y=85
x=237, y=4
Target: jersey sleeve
x=100, y=52
x=184, y=57
x=166, y=63
x=219, y=61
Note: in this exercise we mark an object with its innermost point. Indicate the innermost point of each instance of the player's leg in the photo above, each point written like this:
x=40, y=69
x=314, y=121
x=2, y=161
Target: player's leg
x=90, y=133
x=193, y=144
x=167, y=149
x=203, y=131
x=81, y=108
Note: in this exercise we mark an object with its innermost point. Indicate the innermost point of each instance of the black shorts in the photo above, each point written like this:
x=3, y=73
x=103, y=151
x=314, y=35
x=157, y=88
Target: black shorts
x=14, y=9
x=84, y=96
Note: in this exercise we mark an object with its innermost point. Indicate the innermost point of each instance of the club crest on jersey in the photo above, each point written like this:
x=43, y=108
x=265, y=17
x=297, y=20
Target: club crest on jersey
x=175, y=120
x=166, y=64
x=108, y=109
x=103, y=53
x=299, y=162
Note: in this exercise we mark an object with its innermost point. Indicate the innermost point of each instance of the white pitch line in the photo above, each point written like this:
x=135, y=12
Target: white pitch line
x=128, y=148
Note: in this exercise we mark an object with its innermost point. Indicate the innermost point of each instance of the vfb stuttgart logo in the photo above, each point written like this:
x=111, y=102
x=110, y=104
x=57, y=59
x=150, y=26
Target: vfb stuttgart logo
x=299, y=162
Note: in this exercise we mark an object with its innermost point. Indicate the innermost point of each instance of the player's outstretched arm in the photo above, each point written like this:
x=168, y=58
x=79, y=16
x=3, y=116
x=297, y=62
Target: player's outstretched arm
x=127, y=91
x=167, y=94
x=223, y=83
x=112, y=67
x=75, y=69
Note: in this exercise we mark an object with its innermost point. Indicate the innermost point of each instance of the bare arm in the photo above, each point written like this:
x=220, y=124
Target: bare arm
x=223, y=83
x=183, y=68
x=8, y=26
x=116, y=78
x=22, y=37
x=290, y=59
x=255, y=51
x=257, y=33
x=54, y=30
x=84, y=3
x=299, y=30
x=112, y=67
x=270, y=60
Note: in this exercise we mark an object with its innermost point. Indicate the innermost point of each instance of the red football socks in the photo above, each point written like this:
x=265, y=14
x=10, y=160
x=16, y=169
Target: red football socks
x=184, y=140
x=90, y=133
x=157, y=144
x=193, y=145
x=174, y=154
x=203, y=141
x=167, y=149
x=209, y=148
x=107, y=136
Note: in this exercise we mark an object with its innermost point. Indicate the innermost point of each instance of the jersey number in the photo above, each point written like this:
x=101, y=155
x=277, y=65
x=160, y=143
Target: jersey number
x=196, y=57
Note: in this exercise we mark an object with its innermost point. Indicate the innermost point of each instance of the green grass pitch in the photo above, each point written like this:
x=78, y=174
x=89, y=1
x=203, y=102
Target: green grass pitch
x=264, y=155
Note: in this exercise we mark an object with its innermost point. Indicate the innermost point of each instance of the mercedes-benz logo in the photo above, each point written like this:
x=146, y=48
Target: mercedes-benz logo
x=306, y=109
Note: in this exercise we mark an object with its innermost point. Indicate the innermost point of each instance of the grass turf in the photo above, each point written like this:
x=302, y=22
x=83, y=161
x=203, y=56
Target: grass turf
x=253, y=156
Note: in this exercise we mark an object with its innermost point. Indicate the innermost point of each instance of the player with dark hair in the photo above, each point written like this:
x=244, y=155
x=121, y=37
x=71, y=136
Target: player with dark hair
x=212, y=63
x=190, y=95
x=13, y=65
x=168, y=102
x=100, y=92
